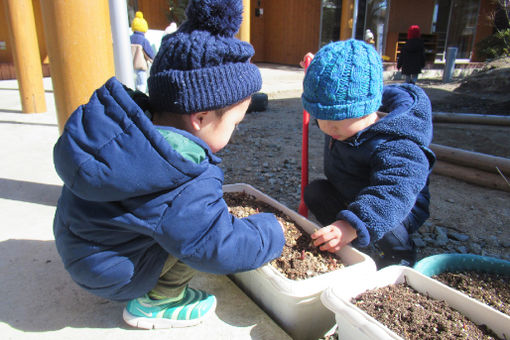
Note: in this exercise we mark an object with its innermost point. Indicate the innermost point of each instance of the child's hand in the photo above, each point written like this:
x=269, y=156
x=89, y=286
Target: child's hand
x=334, y=236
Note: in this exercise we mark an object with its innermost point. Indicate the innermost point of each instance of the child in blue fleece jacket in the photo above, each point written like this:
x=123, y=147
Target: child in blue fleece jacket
x=142, y=206
x=376, y=156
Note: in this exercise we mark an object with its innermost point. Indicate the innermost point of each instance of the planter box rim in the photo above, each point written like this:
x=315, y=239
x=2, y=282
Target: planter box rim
x=437, y=264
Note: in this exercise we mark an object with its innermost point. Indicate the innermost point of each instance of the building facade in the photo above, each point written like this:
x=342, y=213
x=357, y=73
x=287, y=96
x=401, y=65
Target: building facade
x=282, y=31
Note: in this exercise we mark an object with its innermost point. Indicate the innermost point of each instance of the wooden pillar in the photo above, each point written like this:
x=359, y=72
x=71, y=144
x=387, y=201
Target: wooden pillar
x=80, y=50
x=25, y=51
x=347, y=19
x=244, y=31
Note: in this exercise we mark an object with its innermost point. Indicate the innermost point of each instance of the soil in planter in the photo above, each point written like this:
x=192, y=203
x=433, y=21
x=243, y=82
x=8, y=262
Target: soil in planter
x=300, y=259
x=413, y=315
x=491, y=289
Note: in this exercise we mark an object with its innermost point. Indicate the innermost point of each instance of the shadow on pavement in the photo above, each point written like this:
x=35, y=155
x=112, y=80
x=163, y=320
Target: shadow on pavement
x=10, y=111
x=32, y=192
x=23, y=123
x=38, y=294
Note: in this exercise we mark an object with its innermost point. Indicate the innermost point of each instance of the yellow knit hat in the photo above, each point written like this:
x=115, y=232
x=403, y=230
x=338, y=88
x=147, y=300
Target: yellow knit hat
x=139, y=24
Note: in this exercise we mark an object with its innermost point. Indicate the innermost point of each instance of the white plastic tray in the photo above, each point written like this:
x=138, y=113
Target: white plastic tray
x=353, y=323
x=295, y=304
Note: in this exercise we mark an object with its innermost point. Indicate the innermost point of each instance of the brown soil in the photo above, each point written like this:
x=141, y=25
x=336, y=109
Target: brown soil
x=413, y=315
x=300, y=259
x=491, y=289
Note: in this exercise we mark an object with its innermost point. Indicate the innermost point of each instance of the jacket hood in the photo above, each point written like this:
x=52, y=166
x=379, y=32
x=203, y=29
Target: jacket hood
x=409, y=115
x=110, y=151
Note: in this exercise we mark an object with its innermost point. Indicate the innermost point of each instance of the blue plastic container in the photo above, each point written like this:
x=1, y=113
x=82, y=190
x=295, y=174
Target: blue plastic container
x=437, y=264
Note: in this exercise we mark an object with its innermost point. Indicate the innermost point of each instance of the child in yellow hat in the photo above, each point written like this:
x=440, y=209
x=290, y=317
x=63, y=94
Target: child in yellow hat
x=141, y=50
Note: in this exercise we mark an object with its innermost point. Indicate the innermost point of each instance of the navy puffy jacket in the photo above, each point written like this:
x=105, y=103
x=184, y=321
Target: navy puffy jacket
x=129, y=200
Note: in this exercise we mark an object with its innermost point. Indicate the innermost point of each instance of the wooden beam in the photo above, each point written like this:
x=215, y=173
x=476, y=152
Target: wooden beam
x=244, y=30
x=80, y=49
x=347, y=19
x=25, y=50
x=470, y=175
x=472, y=159
x=468, y=118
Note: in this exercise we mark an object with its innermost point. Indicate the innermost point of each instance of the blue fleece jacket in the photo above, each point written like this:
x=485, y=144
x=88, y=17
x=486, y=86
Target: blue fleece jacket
x=382, y=171
x=129, y=199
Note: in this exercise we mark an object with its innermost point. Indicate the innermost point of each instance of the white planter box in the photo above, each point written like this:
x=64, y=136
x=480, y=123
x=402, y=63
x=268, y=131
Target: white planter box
x=295, y=304
x=353, y=323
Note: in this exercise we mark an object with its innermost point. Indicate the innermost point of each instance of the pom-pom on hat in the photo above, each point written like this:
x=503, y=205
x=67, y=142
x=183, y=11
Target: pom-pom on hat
x=344, y=80
x=139, y=24
x=202, y=66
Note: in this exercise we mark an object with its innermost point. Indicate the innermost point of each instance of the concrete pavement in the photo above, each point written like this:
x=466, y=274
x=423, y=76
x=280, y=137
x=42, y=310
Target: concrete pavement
x=39, y=300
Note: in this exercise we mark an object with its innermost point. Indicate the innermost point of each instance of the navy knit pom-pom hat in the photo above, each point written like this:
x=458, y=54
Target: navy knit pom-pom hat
x=344, y=80
x=202, y=66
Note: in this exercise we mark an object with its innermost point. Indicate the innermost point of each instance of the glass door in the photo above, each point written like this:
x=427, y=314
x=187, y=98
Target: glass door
x=454, y=22
x=132, y=6
x=440, y=26
x=330, y=21
x=462, y=26
x=376, y=12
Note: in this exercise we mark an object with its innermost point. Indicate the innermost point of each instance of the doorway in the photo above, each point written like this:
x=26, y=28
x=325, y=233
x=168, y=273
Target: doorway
x=376, y=20
x=331, y=14
x=454, y=22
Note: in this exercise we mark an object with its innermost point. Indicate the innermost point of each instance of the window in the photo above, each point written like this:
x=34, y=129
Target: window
x=330, y=21
x=454, y=22
x=375, y=21
x=132, y=6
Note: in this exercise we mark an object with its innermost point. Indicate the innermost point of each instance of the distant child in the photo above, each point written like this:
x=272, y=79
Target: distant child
x=142, y=205
x=171, y=28
x=369, y=37
x=376, y=156
x=412, y=56
x=142, y=51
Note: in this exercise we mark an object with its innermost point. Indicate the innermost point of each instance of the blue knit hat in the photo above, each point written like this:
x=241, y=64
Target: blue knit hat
x=202, y=66
x=344, y=80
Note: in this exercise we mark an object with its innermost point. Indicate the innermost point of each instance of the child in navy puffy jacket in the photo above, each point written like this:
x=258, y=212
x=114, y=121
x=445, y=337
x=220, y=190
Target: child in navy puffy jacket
x=142, y=205
x=376, y=156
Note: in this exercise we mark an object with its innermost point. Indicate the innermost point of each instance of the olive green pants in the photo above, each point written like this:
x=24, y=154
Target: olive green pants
x=173, y=280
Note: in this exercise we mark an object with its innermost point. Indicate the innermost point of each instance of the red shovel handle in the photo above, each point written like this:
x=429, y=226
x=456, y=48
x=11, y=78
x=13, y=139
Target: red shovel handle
x=303, y=210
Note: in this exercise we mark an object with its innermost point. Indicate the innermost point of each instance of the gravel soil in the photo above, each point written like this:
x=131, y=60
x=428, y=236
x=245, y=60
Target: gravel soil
x=413, y=315
x=491, y=289
x=300, y=259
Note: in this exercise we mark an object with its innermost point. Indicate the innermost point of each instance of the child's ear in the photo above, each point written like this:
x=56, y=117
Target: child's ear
x=198, y=120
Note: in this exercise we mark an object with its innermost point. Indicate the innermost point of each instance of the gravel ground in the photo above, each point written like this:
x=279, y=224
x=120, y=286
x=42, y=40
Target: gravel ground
x=265, y=152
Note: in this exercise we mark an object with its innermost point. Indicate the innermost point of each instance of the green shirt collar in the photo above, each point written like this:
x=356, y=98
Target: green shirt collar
x=186, y=147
